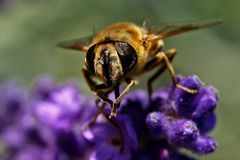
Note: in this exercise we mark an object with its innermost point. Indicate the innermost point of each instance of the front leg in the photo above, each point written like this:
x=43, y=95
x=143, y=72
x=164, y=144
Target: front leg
x=97, y=89
x=115, y=106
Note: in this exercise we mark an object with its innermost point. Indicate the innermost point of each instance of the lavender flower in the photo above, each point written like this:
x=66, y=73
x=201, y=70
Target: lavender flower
x=113, y=140
x=189, y=116
x=56, y=123
x=12, y=102
x=60, y=109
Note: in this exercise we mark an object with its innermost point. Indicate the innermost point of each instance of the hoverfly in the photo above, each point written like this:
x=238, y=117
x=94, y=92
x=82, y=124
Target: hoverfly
x=124, y=51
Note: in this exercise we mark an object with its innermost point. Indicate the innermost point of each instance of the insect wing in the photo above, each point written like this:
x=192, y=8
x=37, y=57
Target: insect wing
x=172, y=29
x=80, y=44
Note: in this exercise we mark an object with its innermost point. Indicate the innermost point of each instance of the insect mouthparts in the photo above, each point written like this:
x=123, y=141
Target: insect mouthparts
x=105, y=65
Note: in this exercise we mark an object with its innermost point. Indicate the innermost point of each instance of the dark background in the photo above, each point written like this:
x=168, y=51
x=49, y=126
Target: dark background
x=30, y=29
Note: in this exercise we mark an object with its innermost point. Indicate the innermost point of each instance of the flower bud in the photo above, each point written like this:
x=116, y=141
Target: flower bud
x=182, y=131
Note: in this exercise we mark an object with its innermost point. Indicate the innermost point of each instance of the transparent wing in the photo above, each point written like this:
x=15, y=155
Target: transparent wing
x=172, y=29
x=77, y=43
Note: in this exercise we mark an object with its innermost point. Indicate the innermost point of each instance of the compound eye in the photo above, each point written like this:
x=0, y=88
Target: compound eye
x=127, y=55
x=90, y=58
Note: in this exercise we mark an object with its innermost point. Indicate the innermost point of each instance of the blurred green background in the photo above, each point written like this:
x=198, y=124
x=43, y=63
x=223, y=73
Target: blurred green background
x=30, y=29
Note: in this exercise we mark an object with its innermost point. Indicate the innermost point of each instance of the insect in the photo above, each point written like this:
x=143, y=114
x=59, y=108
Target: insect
x=124, y=51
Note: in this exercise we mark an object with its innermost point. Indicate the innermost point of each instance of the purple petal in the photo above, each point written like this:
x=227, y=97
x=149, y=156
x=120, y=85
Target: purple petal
x=44, y=87
x=183, y=99
x=203, y=145
x=13, y=137
x=12, y=100
x=157, y=123
x=70, y=144
x=130, y=136
x=161, y=95
x=36, y=153
x=48, y=113
x=102, y=151
x=68, y=98
x=182, y=131
x=206, y=101
x=164, y=154
x=136, y=98
x=206, y=122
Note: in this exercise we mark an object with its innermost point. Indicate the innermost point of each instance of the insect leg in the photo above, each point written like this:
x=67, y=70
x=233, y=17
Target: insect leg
x=96, y=88
x=172, y=73
x=115, y=105
x=164, y=60
x=151, y=80
x=157, y=61
x=94, y=119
